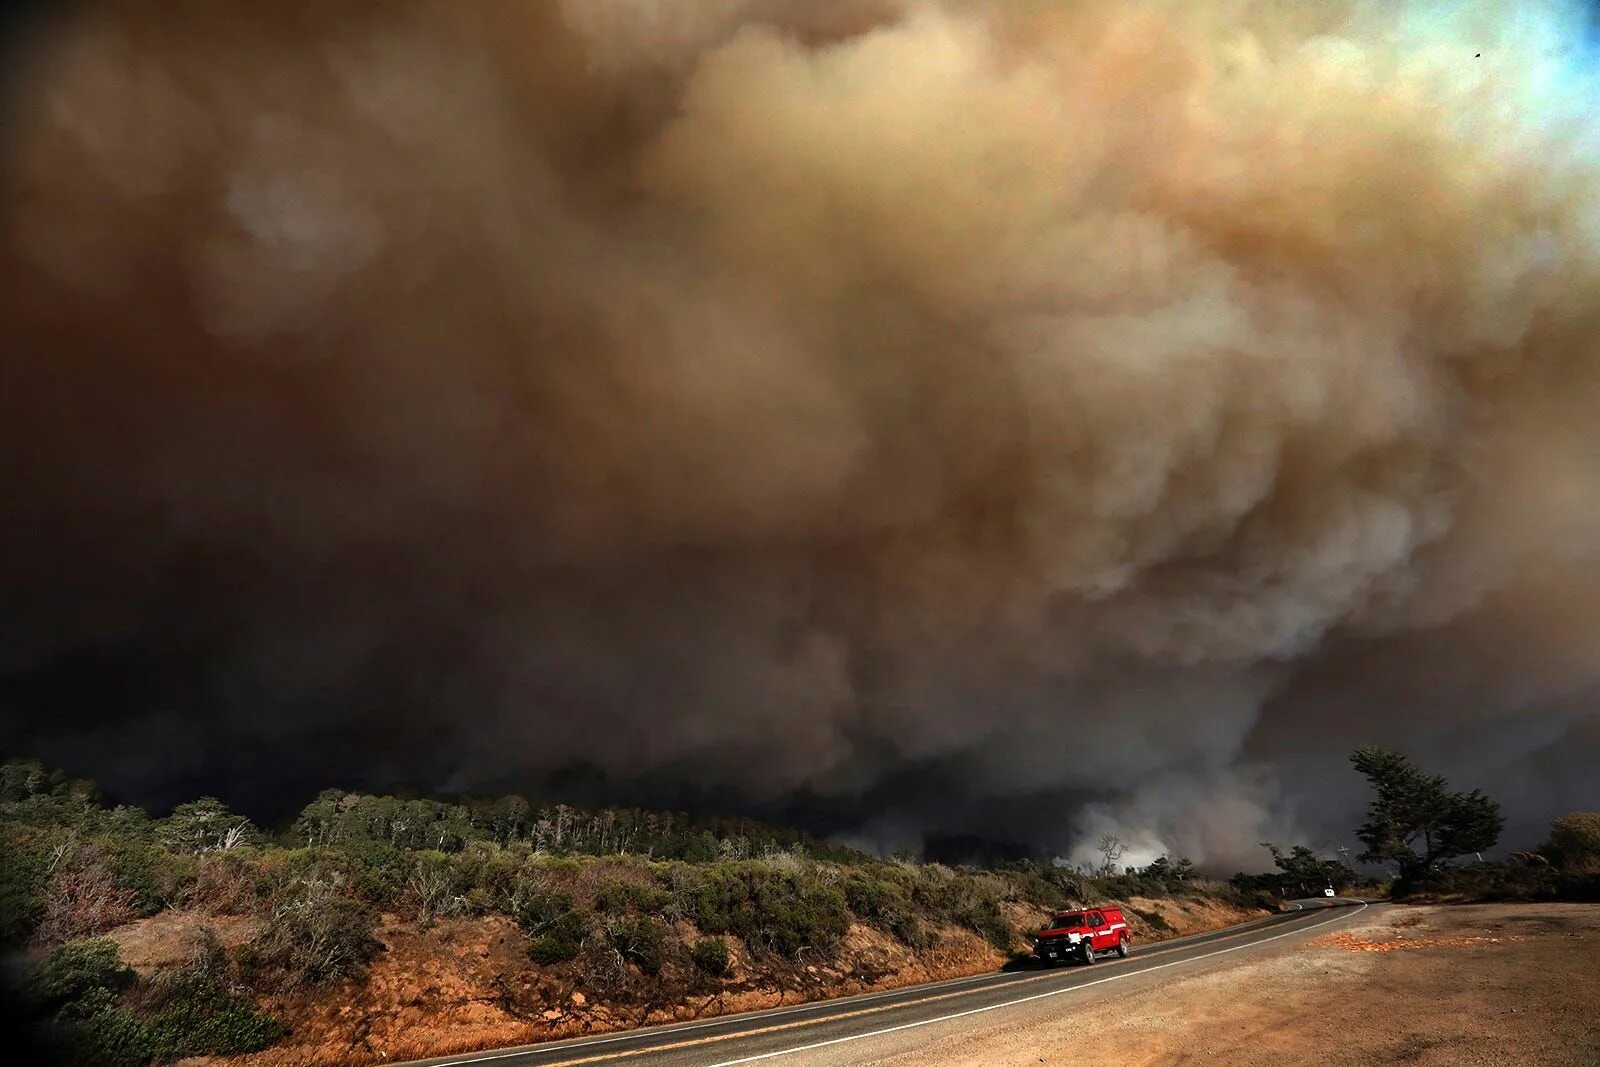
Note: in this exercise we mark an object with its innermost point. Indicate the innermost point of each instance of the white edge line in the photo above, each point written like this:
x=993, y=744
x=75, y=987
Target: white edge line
x=773, y=1013
x=1024, y=1000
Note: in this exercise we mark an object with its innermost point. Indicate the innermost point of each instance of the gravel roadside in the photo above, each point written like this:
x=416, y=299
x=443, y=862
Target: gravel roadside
x=1436, y=985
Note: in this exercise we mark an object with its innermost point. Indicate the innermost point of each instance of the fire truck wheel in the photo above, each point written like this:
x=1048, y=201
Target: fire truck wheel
x=1122, y=948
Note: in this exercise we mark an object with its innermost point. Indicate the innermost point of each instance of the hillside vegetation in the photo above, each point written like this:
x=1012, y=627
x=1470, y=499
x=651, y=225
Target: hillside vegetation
x=241, y=937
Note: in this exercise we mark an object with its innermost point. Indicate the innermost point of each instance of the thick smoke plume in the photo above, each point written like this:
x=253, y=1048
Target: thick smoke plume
x=1021, y=419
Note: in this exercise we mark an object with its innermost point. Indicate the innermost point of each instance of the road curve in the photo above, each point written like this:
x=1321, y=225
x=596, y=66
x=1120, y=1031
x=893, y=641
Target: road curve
x=802, y=1033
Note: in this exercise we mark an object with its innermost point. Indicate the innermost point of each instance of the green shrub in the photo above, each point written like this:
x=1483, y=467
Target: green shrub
x=1153, y=919
x=1575, y=842
x=155, y=877
x=23, y=876
x=983, y=915
x=315, y=935
x=626, y=896
x=549, y=918
x=76, y=991
x=779, y=911
x=197, y=1009
x=486, y=880
x=436, y=887
x=966, y=900
x=711, y=955
x=561, y=944
x=376, y=870
x=73, y=972
x=641, y=941
x=108, y=1036
x=200, y=1015
x=877, y=897
x=1480, y=881
x=227, y=883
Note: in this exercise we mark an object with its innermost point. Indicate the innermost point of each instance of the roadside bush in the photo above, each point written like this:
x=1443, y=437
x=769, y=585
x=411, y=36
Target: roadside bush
x=23, y=877
x=155, y=877
x=1575, y=842
x=485, y=877
x=625, y=896
x=82, y=898
x=227, y=883
x=96, y=1033
x=641, y=941
x=200, y=1015
x=711, y=955
x=876, y=899
x=1584, y=887
x=1249, y=891
x=563, y=942
x=549, y=918
x=73, y=972
x=1480, y=881
x=74, y=991
x=314, y=936
x=783, y=912
x=1153, y=919
x=435, y=887
x=376, y=870
x=984, y=916
x=972, y=901
x=198, y=1009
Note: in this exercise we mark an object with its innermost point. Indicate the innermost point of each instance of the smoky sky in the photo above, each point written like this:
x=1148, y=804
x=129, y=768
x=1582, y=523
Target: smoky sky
x=908, y=417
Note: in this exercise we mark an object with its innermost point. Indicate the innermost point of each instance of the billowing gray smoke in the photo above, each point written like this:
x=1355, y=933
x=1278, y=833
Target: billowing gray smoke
x=1023, y=419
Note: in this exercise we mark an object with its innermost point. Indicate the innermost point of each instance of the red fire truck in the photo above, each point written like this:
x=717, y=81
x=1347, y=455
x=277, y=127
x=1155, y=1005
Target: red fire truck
x=1083, y=935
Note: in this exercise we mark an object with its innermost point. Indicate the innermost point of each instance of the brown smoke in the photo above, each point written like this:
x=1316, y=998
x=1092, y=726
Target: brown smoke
x=1109, y=407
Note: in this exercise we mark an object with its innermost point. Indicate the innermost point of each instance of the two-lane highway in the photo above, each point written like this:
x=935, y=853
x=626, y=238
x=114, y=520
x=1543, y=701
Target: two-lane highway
x=807, y=1031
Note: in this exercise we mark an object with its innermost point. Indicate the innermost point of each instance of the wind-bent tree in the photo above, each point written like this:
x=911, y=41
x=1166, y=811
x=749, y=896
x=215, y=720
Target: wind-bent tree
x=1415, y=821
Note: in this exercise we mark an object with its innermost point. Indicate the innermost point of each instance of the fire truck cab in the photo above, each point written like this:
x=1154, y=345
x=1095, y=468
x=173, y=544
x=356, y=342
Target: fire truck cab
x=1084, y=935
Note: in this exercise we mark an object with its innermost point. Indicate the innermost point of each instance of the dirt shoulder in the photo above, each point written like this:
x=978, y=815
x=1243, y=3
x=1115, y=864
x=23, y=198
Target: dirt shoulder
x=1430, y=985
x=465, y=985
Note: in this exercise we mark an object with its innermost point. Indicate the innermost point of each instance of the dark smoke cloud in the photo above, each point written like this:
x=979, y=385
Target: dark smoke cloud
x=1024, y=419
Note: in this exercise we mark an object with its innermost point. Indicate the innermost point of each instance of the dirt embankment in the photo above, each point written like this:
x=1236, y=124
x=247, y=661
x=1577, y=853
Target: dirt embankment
x=462, y=985
x=1163, y=918
x=1440, y=986
x=467, y=984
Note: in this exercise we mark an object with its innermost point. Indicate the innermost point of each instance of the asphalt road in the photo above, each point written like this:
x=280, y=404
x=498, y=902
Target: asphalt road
x=842, y=1030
